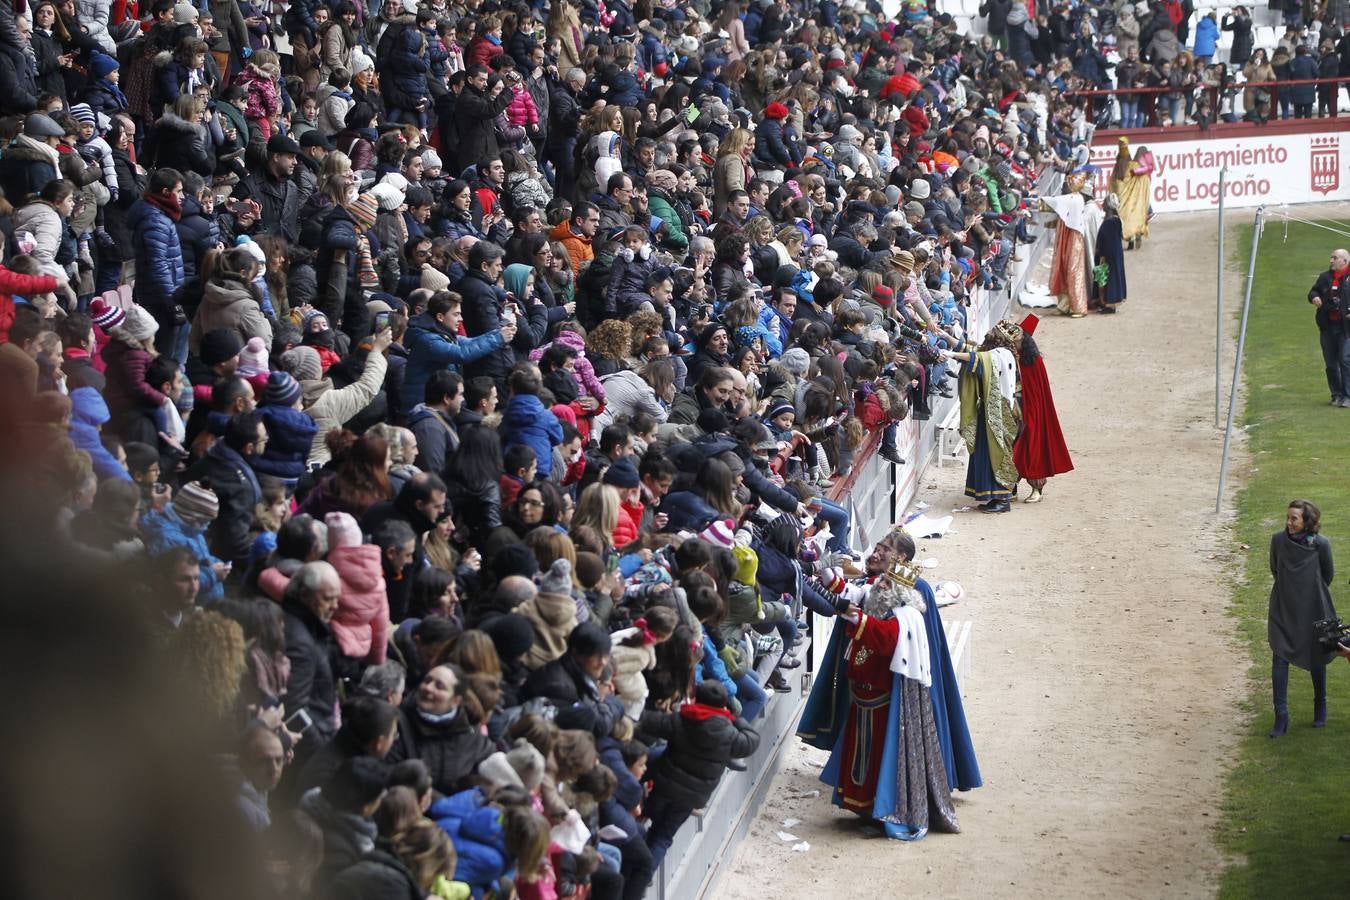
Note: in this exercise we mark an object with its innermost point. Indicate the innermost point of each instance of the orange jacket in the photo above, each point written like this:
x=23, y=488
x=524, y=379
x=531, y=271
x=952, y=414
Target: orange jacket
x=579, y=248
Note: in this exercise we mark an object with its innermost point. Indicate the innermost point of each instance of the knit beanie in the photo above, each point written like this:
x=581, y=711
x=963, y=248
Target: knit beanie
x=511, y=634
x=622, y=474
x=106, y=317
x=883, y=295
x=796, y=360
x=220, y=345
x=920, y=189
x=720, y=533
x=431, y=159
x=558, y=579
x=389, y=197
x=101, y=65
x=196, y=504
x=253, y=358
x=303, y=363
x=365, y=209
x=361, y=61
x=590, y=569
x=496, y=770
x=282, y=390
x=747, y=564
x=184, y=14
x=84, y=114
x=342, y=530
x=779, y=408
x=527, y=762
x=138, y=324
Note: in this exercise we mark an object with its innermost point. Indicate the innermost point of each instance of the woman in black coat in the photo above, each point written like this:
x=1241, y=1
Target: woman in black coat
x=116, y=247
x=178, y=140
x=436, y=728
x=471, y=483
x=1302, y=566
x=48, y=50
x=1239, y=21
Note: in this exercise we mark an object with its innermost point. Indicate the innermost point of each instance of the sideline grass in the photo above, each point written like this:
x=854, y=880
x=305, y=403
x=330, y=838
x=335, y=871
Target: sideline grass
x=1287, y=800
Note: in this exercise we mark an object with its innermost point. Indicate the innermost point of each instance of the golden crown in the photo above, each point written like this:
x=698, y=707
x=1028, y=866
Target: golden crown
x=903, y=573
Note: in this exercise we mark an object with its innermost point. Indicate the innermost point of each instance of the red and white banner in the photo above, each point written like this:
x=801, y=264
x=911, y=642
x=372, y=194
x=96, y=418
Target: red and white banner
x=1274, y=169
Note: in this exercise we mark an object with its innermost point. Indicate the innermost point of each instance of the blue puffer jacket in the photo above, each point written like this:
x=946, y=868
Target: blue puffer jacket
x=165, y=529
x=432, y=347
x=687, y=511
x=159, y=259
x=527, y=422
x=290, y=435
x=711, y=666
x=475, y=829
x=87, y=413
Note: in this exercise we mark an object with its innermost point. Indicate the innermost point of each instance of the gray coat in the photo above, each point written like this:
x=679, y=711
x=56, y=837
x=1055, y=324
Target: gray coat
x=1299, y=597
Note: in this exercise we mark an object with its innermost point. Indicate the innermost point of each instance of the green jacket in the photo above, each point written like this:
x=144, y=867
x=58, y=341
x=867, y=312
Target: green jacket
x=660, y=207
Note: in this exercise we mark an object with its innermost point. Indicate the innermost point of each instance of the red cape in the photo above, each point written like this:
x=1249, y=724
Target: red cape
x=1040, y=451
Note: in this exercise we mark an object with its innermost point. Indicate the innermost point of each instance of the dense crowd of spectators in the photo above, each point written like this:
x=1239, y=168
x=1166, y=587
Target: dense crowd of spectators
x=455, y=395
x=1173, y=49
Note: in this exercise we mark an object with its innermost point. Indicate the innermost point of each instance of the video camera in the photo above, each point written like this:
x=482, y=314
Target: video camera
x=1331, y=633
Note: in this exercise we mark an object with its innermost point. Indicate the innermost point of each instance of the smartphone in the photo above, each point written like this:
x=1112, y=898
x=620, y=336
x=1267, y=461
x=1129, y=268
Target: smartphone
x=612, y=564
x=381, y=321
x=299, y=722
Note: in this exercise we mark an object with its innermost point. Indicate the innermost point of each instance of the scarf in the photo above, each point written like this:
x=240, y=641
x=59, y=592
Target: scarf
x=166, y=203
x=433, y=719
x=116, y=92
x=42, y=147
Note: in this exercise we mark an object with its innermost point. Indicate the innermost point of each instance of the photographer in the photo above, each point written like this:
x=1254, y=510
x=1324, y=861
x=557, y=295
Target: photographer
x=1333, y=315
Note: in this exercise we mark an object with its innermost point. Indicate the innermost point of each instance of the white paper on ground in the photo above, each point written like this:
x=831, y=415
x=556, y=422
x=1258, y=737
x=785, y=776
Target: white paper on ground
x=929, y=563
x=801, y=848
x=1036, y=300
x=925, y=526
x=786, y=838
x=788, y=823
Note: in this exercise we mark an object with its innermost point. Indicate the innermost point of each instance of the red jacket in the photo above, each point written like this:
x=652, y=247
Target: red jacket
x=12, y=282
x=630, y=516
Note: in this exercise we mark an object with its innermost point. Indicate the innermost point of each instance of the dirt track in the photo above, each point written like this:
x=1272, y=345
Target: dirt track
x=1101, y=714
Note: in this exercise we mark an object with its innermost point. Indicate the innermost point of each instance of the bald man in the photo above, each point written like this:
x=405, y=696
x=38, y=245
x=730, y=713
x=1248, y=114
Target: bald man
x=1333, y=319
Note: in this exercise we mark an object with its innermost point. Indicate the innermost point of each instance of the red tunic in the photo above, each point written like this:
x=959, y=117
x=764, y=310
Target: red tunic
x=1039, y=451
x=871, y=646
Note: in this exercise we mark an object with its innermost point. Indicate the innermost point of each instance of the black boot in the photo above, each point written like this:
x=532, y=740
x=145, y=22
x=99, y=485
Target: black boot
x=890, y=455
x=1320, y=714
x=1281, y=725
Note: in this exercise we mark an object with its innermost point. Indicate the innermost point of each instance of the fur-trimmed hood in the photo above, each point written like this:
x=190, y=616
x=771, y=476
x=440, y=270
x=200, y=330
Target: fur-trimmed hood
x=176, y=123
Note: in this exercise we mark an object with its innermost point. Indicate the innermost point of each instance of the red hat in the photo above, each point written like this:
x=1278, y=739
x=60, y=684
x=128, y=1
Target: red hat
x=883, y=295
x=1029, y=323
x=776, y=110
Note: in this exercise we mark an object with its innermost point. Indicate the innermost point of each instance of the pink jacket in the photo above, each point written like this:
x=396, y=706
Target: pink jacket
x=522, y=110
x=361, y=623
x=584, y=372
x=264, y=100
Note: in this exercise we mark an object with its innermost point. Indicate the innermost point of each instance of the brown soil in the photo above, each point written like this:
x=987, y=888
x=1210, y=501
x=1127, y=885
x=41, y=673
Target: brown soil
x=1102, y=714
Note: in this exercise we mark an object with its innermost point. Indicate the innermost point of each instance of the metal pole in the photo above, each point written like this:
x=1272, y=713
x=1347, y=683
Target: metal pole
x=1237, y=365
x=1218, y=312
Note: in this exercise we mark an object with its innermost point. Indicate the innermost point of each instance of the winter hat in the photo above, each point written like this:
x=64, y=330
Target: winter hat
x=848, y=134
x=361, y=61
x=731, y=461
x=747, y=564
x=892, y=195
x=309, y=318
x=220, y=345
x=775, y=110
x=720, y=533
x=778, y=409
x=397, y=181
x=196, y=504
x=101, y=65
x=711, y=420
x=185, y=14
x=41, y=126
x=282, y=390
x=253, y=358
x=364, y=210
x=511, y=634
x=431, y=159
x=106, y=317
x=497, y=771
x=796, y=360
x=920, y=189
x=254, y=249
x=138, y=324
x=590, y=569
x=662, y=179
x=883, y=295
x=622, y=474
x=558, y=579
x=905, y=260
x=303, y=363
x=914, y=208
x=818, y=240
x=84, y=114
x=389, y=197
x=342, y=530
x=527, y=762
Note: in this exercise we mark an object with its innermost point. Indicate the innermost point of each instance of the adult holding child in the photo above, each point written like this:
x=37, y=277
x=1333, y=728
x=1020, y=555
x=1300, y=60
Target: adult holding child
x=1301, y=563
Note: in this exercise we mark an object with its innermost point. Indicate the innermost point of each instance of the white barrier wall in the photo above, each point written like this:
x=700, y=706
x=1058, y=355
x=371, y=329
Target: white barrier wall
x=1279, y=168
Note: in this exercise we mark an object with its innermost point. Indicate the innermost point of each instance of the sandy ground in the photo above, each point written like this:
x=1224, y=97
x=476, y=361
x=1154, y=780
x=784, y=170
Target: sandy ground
x=1101, y=715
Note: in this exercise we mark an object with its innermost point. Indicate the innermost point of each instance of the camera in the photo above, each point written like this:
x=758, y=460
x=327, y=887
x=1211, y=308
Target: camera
x=1330, y=634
